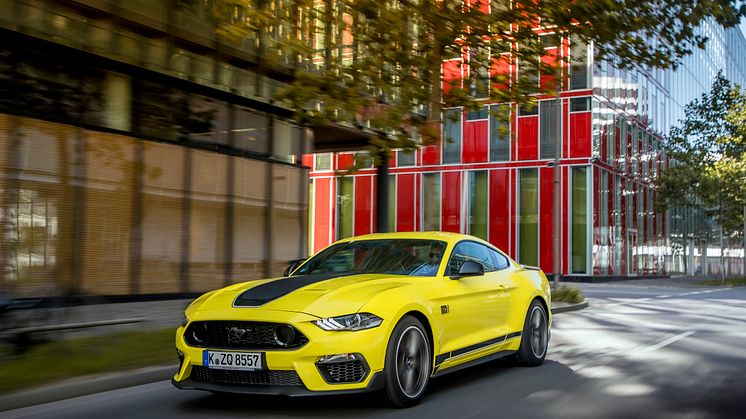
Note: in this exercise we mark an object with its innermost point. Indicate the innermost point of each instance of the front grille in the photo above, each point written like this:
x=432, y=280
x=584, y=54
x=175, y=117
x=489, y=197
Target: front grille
x=254, y=378
x=343, y=372
x=243, y=335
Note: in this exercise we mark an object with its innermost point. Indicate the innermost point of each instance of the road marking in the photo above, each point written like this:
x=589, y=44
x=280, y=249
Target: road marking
x=669, y=341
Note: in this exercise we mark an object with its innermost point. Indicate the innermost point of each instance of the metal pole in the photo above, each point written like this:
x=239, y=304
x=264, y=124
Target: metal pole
x=557, y=154
x=382, y=193
x=722, y=262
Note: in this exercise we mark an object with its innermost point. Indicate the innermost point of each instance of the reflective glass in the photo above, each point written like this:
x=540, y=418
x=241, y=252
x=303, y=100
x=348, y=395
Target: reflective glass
x=528, y=209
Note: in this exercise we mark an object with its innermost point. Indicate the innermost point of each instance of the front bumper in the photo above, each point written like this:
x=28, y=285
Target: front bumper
x=370, y=344
x=374, y=384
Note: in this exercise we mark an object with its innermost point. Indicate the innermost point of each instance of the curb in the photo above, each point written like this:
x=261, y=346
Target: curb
x=84, y=386
x=570, y=307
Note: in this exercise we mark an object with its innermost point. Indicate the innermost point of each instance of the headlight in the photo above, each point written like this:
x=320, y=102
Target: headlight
x=357, y=321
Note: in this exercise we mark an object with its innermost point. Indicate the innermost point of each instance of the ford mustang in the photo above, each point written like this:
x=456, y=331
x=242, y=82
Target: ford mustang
x=377, y=312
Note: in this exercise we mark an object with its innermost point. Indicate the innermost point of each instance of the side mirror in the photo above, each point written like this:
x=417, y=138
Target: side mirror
x=470, y=268
x=293, y=266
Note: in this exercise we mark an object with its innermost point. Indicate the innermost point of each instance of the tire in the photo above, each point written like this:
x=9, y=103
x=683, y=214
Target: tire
x=535, y=337
x=408, y=363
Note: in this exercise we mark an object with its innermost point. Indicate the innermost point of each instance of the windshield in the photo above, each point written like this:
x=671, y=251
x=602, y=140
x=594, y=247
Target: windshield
x=412, y=257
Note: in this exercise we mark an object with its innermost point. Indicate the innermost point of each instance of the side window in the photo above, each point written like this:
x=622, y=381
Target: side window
x=467, y=250
x=501, y=262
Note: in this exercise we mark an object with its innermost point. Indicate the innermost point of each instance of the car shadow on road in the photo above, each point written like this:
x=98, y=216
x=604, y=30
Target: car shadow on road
x=446, y=396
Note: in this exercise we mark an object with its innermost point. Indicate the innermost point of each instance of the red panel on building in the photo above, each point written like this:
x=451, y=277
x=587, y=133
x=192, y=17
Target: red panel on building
x=322, y=213
x=513, y=218
x=363, y=204
x=307, y=160
x=344, y=161
x=405, y=197
x=475, y=142
x=546, y=81
x=580, y=134
x=528, y=138
x=451, y=209
x=500, y=71
x=546, y=215
x=499, y=209
x=451, y=74
x=431, y=155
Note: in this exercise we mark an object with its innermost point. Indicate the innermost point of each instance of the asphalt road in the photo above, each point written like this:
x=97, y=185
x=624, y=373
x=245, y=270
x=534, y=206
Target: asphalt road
x=642, y=350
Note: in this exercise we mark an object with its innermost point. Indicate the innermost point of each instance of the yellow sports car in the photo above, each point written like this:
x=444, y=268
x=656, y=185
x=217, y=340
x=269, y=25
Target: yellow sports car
x=377, y=312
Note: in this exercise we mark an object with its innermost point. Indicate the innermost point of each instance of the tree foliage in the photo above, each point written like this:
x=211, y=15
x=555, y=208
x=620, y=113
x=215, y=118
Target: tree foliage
x=377, y=63
x=708, y=157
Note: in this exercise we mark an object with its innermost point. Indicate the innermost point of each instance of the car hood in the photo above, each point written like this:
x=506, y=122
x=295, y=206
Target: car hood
x=317, y=295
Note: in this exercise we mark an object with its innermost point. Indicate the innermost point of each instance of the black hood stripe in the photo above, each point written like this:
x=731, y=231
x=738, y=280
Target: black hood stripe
x=262, y=294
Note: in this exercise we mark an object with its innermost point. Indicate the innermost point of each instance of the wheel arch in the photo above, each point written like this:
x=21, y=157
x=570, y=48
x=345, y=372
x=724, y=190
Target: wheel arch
x=422, y=318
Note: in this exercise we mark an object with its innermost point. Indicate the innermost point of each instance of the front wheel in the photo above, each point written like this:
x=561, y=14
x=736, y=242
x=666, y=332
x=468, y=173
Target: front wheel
x=535, y=337
x=408, y=363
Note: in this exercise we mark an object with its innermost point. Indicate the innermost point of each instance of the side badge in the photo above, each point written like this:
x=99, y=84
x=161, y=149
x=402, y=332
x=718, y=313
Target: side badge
x=444, y=309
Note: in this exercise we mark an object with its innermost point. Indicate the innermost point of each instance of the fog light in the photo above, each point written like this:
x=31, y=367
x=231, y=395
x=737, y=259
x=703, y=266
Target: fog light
x=284, y=335
x=330, y=359
x=181, y=357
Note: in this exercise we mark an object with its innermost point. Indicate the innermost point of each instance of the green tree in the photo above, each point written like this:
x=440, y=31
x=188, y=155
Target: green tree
x=708, y=158
x=377, y=63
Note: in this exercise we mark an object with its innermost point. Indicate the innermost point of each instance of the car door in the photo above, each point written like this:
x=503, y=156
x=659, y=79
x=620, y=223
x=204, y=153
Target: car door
x=475, y=310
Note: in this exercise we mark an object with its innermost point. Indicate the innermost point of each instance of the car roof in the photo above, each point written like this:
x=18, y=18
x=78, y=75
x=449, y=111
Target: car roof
x=424, y=235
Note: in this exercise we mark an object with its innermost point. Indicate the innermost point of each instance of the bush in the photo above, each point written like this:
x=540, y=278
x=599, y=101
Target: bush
x=567, y=294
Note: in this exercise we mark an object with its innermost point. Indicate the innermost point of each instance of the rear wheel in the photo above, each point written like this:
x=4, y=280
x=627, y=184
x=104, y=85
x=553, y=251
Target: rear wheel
x=408, y=363
x=535, y=337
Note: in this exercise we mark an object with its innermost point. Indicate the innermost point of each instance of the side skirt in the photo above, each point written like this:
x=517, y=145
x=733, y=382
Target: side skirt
x=491, y=357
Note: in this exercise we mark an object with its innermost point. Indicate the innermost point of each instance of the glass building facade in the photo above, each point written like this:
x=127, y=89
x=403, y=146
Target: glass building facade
x=140, y=153
x=493, y=177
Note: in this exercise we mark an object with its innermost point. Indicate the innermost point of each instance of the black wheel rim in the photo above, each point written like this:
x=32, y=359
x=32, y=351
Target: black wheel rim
x=538, y=332
x=412, y=361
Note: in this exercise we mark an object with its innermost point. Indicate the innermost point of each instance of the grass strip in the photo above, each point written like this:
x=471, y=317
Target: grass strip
x=567, y=294
x=733, y=282
x=58, y=360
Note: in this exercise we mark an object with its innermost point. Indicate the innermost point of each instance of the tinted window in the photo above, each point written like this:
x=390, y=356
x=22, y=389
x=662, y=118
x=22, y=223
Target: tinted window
x=470, y=251
x=501, y=262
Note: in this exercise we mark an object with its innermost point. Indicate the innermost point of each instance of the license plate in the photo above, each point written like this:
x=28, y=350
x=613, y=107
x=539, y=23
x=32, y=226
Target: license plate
x=247, y=361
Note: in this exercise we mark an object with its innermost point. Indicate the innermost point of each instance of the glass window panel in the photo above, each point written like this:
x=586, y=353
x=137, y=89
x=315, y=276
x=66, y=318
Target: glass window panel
x=287, y=142
x=548, y=134
x=483, y=113
x=431, y=201
x=250, y=132
x=452, y=136
x=578, y=64
x=528, y=249
x=580, y=104
x=499, y=133
x=579, y=221
x=344, y=207
x=323, y=161
x=478, y=204
x=206, y=120
x=528, y=109
x=405, y=158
